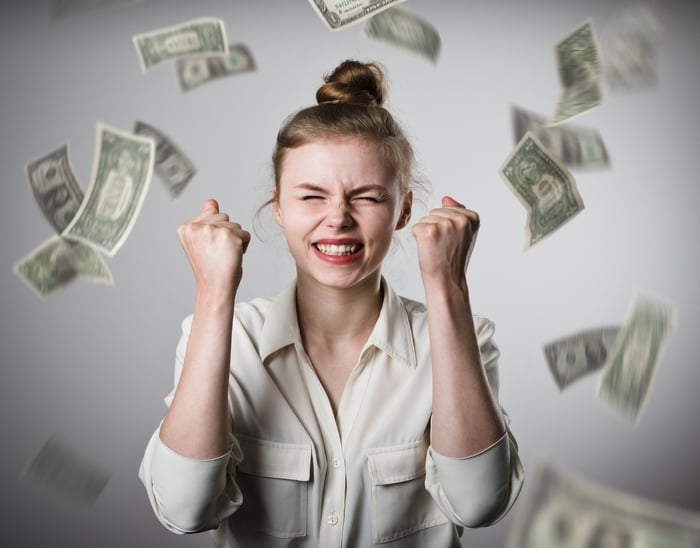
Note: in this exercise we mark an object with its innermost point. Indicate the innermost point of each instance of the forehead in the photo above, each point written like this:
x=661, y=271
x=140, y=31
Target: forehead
x=350, y=161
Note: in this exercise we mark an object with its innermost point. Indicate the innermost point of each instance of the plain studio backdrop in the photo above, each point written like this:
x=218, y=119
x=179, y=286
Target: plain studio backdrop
x=91, y=364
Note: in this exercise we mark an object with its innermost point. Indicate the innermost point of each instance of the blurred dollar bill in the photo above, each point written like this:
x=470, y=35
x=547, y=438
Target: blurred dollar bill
x=195, y=71
x=57, y=262
x=55, y=187
x=173, y=167
x=65, y=473
x=341, y=14
x=632, y=57
x=629, y=373
x=564, y=511
x=121, y=173
x=576, y=146
x=543, y=185
x=60, y=8
x=580, y=73
x=196, y=37
x=580, y=354
x=405, y=30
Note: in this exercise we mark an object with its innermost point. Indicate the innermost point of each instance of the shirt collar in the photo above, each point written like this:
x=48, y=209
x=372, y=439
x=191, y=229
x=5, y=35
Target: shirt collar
x=392, y=333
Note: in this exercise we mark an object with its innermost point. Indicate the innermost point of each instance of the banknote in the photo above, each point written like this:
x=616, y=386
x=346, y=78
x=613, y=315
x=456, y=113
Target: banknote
x=562, y=510
x=55, y=187
x=121, y=173
x=59, y=8
x=195, y=71
x=340, y=14
x=543, y=185
x=576, y=146
x=405, y=30
x=62, y=471
x=629, y=373
x=57, y=262
x=171, y=165
x=202, y=36
x=632, y=57
x=580, y=73
x=574, y=356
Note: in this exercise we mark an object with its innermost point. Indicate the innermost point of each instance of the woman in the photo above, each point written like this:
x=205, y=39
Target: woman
x=337, y=413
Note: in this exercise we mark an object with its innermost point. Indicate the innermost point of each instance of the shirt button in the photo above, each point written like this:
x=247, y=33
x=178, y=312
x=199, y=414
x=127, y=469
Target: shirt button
x=333, y=519
x=336, y=463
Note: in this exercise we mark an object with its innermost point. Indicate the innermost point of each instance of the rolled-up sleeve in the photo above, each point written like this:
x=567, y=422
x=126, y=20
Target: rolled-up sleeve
x=479, y=490
x=189, y=495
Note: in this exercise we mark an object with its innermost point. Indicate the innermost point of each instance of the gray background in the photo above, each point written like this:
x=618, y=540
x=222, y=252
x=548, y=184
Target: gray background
x=91, y=364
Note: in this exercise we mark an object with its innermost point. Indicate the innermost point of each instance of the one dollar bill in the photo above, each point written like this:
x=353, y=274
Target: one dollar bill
x=543, y=185
x=574, y=356
x=340, y=14
x=55, y=187
x=629, y=373
x=121, y=174
x=576, y=146
x=565, y=511
x=171, y=165
x=195, y=71
x=405, y=30
x=580, y=73
x=57, y=262
x=196, y=37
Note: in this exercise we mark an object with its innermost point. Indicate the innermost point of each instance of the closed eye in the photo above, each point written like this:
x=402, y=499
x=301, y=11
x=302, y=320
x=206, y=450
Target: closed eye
x=311, y=197
x=370, y=199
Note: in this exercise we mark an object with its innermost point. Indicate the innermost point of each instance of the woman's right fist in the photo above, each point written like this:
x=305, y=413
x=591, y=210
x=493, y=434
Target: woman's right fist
x=214, y=247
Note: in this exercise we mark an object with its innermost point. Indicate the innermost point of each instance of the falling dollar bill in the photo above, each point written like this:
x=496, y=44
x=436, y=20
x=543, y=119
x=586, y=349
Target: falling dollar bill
x=580, y=73
x=197, y=37
x=576, y=146
x=632, y=60
x=65, y=473
x=55, y=187
x=121, y=173
x=57, y=262
x=543, y=185
x=405, y=30
x=565, y=511
x=629, y=373
x=170, y=164
x=580, y=354
x=60, y=8
x=341, y=14
x=195, y=71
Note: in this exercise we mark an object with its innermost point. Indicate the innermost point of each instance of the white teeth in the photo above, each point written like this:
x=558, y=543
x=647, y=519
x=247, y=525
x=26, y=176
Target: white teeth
x=348, y=249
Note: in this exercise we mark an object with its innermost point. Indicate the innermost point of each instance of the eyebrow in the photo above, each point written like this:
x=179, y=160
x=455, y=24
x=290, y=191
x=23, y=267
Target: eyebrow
x=359, y=190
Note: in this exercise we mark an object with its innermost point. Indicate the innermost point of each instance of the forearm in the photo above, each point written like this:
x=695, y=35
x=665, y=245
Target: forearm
x=197, y=424
x=466, y=418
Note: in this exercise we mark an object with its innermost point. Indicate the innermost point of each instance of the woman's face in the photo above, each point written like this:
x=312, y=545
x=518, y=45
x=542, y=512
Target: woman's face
x=339, y=204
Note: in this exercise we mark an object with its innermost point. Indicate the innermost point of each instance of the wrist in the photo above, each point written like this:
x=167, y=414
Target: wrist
x=445, y=286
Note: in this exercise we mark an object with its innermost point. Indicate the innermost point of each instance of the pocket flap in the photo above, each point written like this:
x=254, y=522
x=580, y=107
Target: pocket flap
x=270, y=459
x=397, y=463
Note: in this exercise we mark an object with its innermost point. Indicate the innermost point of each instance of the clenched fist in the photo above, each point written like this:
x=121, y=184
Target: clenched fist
x=445, y=239
x=214, y=247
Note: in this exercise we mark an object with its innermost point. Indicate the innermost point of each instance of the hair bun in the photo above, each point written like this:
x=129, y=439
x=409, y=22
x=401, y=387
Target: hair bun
x=354, y=83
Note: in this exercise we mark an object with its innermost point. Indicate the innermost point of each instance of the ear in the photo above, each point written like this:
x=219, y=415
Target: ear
x=276, y=212
x=405, y=211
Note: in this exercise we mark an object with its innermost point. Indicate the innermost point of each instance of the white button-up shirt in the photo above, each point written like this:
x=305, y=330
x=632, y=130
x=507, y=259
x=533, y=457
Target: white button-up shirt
x=300, y=475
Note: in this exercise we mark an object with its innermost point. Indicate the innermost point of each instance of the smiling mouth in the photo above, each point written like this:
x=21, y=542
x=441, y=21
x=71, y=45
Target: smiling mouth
x=338, y=250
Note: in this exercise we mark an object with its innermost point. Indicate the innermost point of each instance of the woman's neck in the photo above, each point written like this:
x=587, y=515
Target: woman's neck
x=332, y=314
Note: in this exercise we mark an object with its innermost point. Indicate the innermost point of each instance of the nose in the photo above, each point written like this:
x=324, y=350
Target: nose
x=339, y=215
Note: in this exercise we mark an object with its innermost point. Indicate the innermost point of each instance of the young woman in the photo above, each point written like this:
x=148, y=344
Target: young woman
x=337, y=414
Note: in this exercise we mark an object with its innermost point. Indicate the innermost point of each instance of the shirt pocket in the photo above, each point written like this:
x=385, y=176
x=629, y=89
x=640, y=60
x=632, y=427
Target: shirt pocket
x=400, y=503
x=274, y=480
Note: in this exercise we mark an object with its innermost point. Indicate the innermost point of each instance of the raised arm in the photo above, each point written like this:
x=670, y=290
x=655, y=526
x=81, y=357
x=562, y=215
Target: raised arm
x=197, y=423
x=466, y=418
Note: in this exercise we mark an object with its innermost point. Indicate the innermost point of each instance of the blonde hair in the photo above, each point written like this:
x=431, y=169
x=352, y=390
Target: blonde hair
x=350, y=104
